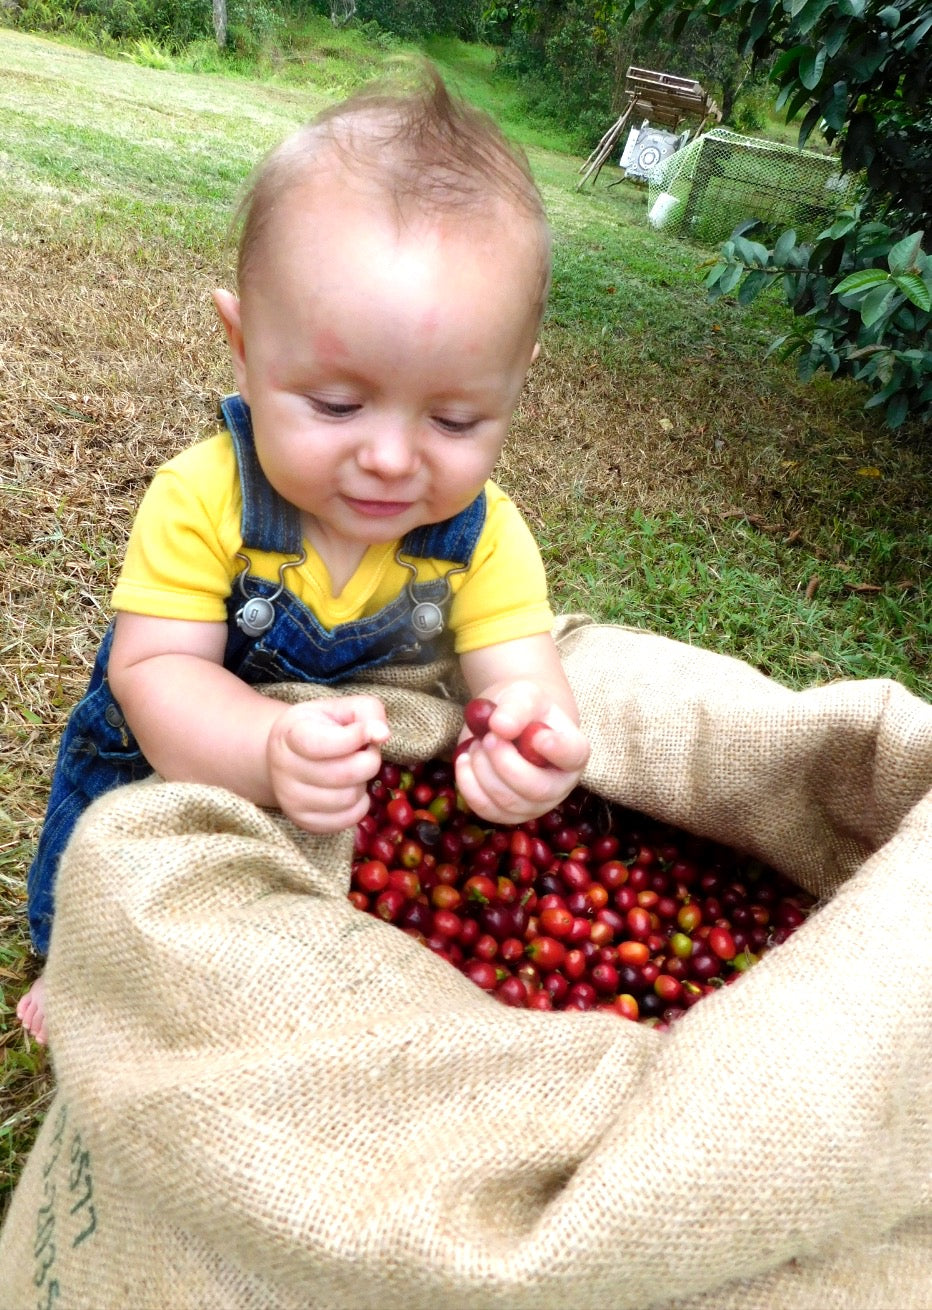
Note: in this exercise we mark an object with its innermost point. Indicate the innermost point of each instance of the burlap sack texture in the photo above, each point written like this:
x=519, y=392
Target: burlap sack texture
x=269, y=1101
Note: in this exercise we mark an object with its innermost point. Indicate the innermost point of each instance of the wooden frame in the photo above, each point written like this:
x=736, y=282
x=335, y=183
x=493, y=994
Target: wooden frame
x=663, y=99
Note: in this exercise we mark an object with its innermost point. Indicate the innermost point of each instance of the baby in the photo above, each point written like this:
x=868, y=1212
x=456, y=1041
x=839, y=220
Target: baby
x=393, y=267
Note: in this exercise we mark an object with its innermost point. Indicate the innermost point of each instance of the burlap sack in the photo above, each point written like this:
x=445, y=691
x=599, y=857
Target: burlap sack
x=269, y=1101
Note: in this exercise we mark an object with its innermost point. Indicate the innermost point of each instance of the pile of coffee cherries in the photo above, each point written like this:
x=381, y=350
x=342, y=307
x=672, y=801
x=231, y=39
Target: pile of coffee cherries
x=590, y=907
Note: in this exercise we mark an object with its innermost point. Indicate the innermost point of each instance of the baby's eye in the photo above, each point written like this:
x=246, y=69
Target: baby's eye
x=333, y=408
x=455, y=425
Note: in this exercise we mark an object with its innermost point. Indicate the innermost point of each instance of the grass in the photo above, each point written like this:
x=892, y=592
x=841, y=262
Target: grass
x=676, y=479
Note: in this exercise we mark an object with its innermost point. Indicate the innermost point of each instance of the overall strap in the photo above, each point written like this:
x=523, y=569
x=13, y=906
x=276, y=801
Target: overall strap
x=454, y=539
x=270, y=523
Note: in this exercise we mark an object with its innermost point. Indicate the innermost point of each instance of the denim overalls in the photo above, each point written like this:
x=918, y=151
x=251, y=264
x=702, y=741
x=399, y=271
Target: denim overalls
x=271, y=637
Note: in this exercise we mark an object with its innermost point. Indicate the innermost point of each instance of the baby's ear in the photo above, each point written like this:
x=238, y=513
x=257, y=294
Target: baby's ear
x=228, y=309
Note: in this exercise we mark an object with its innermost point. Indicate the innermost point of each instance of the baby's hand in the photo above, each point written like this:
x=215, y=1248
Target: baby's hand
x=320, y=756
x=528, y=760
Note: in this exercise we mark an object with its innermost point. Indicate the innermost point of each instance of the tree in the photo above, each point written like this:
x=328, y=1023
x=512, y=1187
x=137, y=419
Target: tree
x=862, y=292
x=572, y=56
x=220, y=22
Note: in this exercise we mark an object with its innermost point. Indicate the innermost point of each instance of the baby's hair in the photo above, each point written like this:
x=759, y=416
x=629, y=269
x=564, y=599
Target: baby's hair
x=427, y=151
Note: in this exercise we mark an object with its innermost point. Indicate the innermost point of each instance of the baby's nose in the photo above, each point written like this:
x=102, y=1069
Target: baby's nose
x=392, y=451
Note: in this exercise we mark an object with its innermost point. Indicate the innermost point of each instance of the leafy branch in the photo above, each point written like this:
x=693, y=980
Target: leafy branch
x=872, y=323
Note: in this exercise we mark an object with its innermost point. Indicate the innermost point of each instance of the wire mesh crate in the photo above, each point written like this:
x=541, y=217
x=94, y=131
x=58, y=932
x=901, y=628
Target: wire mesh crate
x=722, y=178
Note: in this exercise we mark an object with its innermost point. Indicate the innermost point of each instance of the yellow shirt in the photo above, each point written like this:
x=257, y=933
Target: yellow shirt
x=181, y=560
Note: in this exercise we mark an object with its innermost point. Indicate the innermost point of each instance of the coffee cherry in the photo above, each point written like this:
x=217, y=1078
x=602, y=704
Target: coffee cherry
x=400, y=810
x=556, y=921
x=447, y=924
x=681, y=945
x=722, y=943
x=477, y=714
x=558, y=913
x=633, y=952
x=667, y=988
x=371, y=876
x=546, y=952
x=482, y=973
x=525, y=742
x=512, y=991
x=627, y=1006
x=604, y=978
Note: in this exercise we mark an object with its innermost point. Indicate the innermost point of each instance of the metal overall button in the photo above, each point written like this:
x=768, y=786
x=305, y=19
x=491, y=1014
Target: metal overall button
x=114, y=716
x=257, y=614
x=427, y=618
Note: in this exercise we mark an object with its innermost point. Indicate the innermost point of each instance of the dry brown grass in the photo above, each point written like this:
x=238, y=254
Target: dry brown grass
x=105, y=371
x=107, y=367
x=608, y=429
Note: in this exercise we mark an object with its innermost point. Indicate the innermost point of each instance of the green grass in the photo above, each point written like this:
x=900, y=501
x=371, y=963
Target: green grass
x=731, y=588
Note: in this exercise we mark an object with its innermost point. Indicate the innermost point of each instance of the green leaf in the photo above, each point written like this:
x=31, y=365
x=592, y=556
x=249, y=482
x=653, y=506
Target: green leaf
x=896, y=410
x=808, y=366
x=841, y=227
x=859, y=145
x=862, y=280
x=760, y=20
x=755, y=282
x=751, y=252
x=715, y=274
x=836, y=36
x=923, y=23
x=811, y=13
x=834, y=109
x=730, y=279
x=785, y=351
x=871, y=230
x=852, y=8
x=890, y=16
x=802, y=97
x=863, y=69
x=876, y=303
x=913, y=288
x=811, y=67
x=784, y=94
x=903, y=256
x=679, y=23
x=813, y=117
x=820, y=252
x=785, y=243
x=786, y=61
x=745, y=226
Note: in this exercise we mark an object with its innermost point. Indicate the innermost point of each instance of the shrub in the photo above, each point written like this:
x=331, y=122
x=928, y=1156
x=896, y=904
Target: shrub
x=863, y=296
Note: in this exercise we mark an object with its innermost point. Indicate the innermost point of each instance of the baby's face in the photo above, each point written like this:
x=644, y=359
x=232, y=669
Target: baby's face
x=382, y=362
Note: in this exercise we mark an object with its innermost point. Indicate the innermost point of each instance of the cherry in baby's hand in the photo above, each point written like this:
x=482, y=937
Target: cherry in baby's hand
x=477, y=714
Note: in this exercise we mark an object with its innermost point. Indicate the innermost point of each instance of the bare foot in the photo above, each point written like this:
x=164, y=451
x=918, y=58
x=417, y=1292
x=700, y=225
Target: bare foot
x=31, y=1011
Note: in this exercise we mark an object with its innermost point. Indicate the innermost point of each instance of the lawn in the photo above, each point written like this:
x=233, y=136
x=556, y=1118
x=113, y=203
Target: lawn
x=676, y=479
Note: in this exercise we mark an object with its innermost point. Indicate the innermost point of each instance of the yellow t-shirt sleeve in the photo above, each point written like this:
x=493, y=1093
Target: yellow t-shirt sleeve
x=504, y=594
x=179, y=562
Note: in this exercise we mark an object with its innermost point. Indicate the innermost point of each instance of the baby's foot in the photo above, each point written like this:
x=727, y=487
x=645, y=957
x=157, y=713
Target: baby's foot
x=31, y=1011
